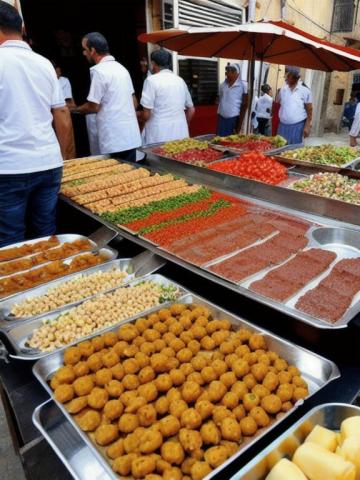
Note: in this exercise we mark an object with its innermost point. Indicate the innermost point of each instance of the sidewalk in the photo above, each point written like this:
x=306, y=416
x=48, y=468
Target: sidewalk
x=341, y=138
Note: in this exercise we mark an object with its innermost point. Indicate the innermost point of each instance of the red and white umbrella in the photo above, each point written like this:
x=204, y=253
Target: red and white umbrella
x=271, y=42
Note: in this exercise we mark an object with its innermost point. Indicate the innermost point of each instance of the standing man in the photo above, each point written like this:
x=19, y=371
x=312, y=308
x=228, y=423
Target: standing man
x=233, y=102
x=166, y=101
x=295, y=108
x=355, y=128
x=111, y=98
x=263, y=110
x=65, y=86
x=31, y=154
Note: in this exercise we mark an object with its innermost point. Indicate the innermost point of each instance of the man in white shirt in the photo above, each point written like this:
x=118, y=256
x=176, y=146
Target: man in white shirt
x=111, y=99
x=355, y=127
x=295, y=108
x=31, y=154
x=263, y=109
x=65, y=86
x=233, y=102
x=166, y=101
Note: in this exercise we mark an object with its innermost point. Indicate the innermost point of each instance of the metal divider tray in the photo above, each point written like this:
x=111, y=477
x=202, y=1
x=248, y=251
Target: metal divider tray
x=328, y=415
x=17, y=335
x=137, y=266
x=316, y=370
x=345, y=243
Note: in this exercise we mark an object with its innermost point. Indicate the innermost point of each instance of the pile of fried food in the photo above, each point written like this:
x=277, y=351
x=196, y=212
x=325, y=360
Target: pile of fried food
x=173, y=395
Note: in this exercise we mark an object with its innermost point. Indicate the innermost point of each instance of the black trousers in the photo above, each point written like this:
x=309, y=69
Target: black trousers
x=262, y=125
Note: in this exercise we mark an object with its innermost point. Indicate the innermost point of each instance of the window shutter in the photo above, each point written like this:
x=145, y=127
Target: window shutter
x=343, y=16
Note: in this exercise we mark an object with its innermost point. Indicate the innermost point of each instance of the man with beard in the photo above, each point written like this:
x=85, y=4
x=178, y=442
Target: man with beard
x=111, y=99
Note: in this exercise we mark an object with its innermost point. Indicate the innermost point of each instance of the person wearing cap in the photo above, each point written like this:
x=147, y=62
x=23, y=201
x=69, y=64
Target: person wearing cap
x=355, y=127
x=111, y=99
x=295, y=108
x=263, y=109
x=166, y=101
x=233, y=102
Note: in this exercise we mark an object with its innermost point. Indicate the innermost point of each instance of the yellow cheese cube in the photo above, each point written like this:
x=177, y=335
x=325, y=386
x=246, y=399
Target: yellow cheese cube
x=324, y=437
x=350, y=428
x=286, y=470
x=350, y=450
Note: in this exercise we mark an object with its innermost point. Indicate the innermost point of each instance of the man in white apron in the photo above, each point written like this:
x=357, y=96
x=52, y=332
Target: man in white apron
x=111, y=99
x=167, y=104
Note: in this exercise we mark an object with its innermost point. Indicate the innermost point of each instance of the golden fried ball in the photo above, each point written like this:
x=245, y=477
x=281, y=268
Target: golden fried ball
x=114, y=388
x=177, y=376
x=284, y=377
x=204, y=395
x=242, y=350
x=163, y=382
x=95, y=362
x=259, y=370
x=260, y=416
x=216, y=391
x=199, y=470
x=113, y=409
x=168, y=351
x=98, y=398
x=86, y=349
x=150, y=441
x=240, y=389
x=248, y=426
x=249, y=381
x=131, y=350
x=162, y=405
x=120, y=347
x=54, y=382
x=77, y=404
x=201, y=320
x=159, y=362
x=72, y=356
x=177, y=407
x=300, y=393
x=177, y=308
x=230, y=400
x=118, y=371
x=141, y=324
x=103, y=376
x=133, y=440
x=110, y=338
x=64, y=393
x=148, y=391
x=205, y=408
x=212, y=326
x=190, y=418
x=122, y=465
x=230, y=429
x=116, y=449
x=208, y=374
x=271, y=381
x=264, y=358
x=142, y=466
x=128, y=422
x=173, y=363
x=219, y=366
x=97, y=343
x=190, y=440
x=81, y=369
x=83, y=385
x=184, y=355
x=230, y=359
x=228, y=379
x=196, y=377
x=89, y=421
x=173, y=394
x=198, y=331
x=127, y=398
x=176, y=328
x=146, y=374
x=250, y=400
x=285, y=392
x=293, y=370
x=147, y=415
x=299, y=381
x=210, y=434
x=134, y=405
x=220, y=337
x=187, y=464
x=186, y=368
x=147, y=348
x=172, y=452
x=106, y=434
x=130, y=382
x=286, y=406
x=142, y=359
x=239, y=412
x=127, y=332
x=65, y=374
x=227, y=347
x=151, y=335
x=219, y=413
x=169, y=426
x=190, y=391
x=160, y=327
x=251, y=358
x=260, y=391
x=173, y=473
x=138, y=341
x=215, y=456
x=186, y=337
x=271, y=404
x=131, y=366
x=280, y=364
x=257, y=341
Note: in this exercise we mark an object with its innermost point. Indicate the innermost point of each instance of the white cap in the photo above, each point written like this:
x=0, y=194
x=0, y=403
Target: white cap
x=233, y=66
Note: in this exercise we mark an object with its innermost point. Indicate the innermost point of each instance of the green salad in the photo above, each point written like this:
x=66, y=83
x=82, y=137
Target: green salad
x=324, y=154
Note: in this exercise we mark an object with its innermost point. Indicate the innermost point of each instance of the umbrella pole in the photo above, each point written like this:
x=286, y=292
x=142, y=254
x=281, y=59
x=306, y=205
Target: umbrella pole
x=251, y=93
x=260, y=78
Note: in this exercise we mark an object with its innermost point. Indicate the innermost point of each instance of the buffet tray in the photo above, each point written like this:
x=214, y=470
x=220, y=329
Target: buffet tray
x=18, y=334
x=137, y=266
x=316, y=370
x=328, y=415
x=345, y=243
x=67, y=444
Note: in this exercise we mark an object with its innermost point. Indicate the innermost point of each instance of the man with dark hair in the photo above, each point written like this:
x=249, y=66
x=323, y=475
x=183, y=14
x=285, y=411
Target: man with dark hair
x=31, y=154
x=111, y=99
x=295, y=108
x=263, y=109
x=167, y=103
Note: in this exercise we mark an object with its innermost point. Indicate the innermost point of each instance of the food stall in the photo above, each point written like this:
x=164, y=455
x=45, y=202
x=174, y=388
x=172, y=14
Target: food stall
x=257, y=268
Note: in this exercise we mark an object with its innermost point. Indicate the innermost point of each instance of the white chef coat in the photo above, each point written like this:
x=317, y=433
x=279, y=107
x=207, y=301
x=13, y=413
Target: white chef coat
x=355, y=127
x=292, y=103
x=65, y=87
x=230, y=98
x=263, y=106
x=92, y=134
x=111, y=87
x=29, y=89
x=167, y=96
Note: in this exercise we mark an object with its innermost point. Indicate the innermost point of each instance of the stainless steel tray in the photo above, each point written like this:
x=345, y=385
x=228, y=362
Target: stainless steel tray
x=18, y=334
x=328, y=415
x=345, y=243
x=67, y=444
x=316, y=370
x=108, y=252
x=143, y=264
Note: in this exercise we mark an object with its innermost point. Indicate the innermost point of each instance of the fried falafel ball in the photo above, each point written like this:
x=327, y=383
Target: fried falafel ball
x=172, y=452
x=106, y=434
x=89, y=421
x=113, y=409
x=64, y=393
x=98, y=398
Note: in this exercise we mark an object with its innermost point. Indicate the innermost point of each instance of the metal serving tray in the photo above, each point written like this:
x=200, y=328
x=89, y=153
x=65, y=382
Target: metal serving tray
x=137, y=266
x=17, y=335
x=328, y=415
x=316, y=370
x=345, y=243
